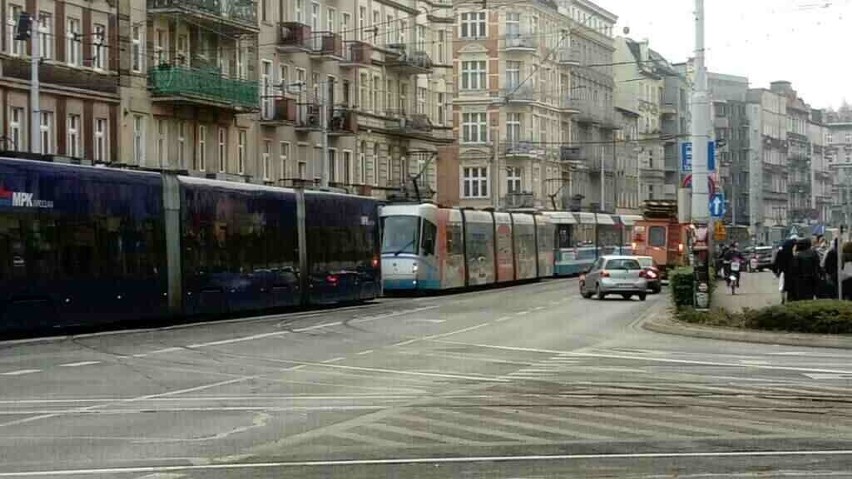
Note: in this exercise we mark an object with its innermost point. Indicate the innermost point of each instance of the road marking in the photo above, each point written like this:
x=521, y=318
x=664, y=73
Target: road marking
x=414, y=373
x=538, y=308
x=652, y=359
x=81, y=363
x=394, y=313
x=296, y=368
x=522, y=313
x=435, y=321
x=828, y=376
x=334, y=360
x=20, y=372
x=364, y=352
x=425, y=460
x=504, y=318
x=238, y=340
x=318, y=326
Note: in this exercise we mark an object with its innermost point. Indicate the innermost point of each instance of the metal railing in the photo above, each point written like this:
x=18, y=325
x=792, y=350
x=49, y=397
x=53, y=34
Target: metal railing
x=243, y=11
x=206, y=84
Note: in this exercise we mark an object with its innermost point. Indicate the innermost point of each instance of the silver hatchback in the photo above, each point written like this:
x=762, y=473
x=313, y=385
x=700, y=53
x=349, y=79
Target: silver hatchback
x=621, y=275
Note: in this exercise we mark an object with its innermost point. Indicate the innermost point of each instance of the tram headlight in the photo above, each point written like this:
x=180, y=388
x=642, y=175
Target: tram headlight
x=414, y=268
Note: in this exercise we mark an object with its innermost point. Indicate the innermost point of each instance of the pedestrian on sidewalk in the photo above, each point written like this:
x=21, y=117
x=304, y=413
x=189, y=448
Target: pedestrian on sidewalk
x=781, y=267
x=804, y=272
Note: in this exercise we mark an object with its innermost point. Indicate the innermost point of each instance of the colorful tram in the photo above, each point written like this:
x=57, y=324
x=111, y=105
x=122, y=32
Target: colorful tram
x=581, y=237
x=82, y=246
x=428, y=248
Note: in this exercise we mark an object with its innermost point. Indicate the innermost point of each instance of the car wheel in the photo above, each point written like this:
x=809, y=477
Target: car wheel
x=642, y=297
x=599, y=293
x=585, y=294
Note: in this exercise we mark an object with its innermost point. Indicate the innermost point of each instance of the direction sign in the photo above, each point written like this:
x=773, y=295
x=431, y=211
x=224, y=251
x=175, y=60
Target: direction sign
x=717, y=205
x=686, y=156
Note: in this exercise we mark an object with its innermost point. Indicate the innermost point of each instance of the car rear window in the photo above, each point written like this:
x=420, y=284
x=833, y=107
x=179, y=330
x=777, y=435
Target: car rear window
x=646, y=262
x=623, y=264
x=657, y=236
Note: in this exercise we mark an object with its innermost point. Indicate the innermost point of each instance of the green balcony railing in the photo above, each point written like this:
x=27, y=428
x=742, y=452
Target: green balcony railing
x=243, y=11
x=204, y=84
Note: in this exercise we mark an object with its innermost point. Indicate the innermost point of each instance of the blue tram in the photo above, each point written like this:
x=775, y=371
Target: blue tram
x=84, y=245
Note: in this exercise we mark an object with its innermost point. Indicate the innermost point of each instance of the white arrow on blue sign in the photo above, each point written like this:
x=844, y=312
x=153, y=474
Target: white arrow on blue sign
x=686, y=156
x=717, y=205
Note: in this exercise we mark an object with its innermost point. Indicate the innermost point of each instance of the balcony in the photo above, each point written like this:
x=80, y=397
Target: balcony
x=568, y=56
x=284, y=111
x=356, y=54
x=571, y=154
x=520, y=42
x=204, y=87
x=342, y=122
x=55, y=74
x=519, y=94
x=522, y=148
x=669, y=109
x=326, y=46
x=408, y=61
x=294, y=37
x=235, y=15
x=570, y=104
x=308, y=117
x=519, y=199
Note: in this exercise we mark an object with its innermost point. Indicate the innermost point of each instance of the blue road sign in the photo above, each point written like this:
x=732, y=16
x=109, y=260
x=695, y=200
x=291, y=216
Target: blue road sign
x=717, y=205
x=686, y=156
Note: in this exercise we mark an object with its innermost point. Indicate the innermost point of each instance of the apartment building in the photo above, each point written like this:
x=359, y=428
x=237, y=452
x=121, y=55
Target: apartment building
x=593, y=126
x=821, y=175
x=357, y=94
x=628, y=175
x=730, y=124
x=799, y=185
x=838, y=151
x=640, y=75
x=768, y=175
x=513, y=105
x=78, y=43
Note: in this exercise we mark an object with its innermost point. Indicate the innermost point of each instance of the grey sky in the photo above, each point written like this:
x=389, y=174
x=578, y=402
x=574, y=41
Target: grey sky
x=806, y=42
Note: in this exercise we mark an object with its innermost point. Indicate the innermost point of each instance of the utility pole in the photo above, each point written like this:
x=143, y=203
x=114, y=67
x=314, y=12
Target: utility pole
x=700, y=126
x=323, y=118
x=496, y=186
x=30, y=30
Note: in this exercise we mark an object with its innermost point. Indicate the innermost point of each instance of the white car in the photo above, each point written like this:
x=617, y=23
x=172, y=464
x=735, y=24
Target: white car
x=621, y=275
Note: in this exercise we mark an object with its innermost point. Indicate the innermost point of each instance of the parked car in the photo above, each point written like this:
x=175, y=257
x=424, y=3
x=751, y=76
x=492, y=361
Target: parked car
x=652, y=274
x=763, y=254
x=622, y=275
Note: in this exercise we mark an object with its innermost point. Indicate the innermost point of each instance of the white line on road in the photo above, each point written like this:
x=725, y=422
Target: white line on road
x=504, y=318
x=652, y=359
x=364, y=352
x=20, y=372
x=81, y=363
x=522, y=313
x=318, y=326
x=334, y=360
x=425, y=460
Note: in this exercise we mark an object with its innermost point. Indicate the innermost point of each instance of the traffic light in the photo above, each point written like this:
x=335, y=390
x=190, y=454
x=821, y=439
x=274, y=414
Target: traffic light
x=24, y=26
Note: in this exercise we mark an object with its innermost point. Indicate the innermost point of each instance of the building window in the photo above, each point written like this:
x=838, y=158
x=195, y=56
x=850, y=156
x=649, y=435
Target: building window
x=222, y=150
x=283, y=155
x=201, y=154
x=161, y=48
x=362, y=163
x=181, y=144
x=136, y=49
x=266, y=89
x=473, y=25
x=331, y=20
x=345, y=20
x=138, y=139
x=72, y=149
x=74, y=43
x=332, y=165
x=16, y=122
x=99, y=47
x=264, y=10
x=100, y=139
x=266, y=158
x=475, y=182
x=440, y=116
x=513, y=128
x=513, y=25
x=362, y=25
x=16, y=47
x=514, y=179
x=45, y=35
x=421, y=100
x=241, y=154
x=474, y=128
x=513, y=74
x=47, y=133
x=162, y=142
x=440, y=46
x=300, y=11
x=473, y=75
x=375, y=161
x=347, y=167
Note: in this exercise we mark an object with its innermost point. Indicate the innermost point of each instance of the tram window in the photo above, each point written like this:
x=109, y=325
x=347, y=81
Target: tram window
x=427, y=239
x=657, y=236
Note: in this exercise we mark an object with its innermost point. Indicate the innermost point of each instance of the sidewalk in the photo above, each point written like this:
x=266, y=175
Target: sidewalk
x=756, y=290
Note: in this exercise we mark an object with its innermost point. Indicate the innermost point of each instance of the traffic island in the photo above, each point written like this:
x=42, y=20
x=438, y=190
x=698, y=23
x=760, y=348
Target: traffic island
x=756, y=315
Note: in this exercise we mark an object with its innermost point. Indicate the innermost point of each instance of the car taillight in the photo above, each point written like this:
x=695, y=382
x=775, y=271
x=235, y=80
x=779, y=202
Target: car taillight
x=332, y=279
x=643, y=274
x=680, y=248
x=633, y=245
x=604, y=274
x=375, y=262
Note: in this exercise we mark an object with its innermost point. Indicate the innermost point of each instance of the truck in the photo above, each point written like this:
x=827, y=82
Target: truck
x=660, y=235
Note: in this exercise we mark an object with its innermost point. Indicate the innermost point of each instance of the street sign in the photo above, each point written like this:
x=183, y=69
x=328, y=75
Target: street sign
x=686, y=156
x=717, y=205
x=711, y=184
x=720, y=233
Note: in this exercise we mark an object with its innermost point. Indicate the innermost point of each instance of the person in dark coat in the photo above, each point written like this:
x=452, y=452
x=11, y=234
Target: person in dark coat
x=804, y=272
x=782, y=265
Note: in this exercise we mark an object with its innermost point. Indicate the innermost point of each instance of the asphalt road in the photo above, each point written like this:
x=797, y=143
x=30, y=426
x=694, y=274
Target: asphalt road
x=524, y=382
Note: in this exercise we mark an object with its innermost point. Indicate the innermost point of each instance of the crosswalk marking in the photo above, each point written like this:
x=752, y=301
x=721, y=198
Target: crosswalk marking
x=481, y=431
x=369, y=440
x=513, y=423
x=611, y=430
x=421, y=434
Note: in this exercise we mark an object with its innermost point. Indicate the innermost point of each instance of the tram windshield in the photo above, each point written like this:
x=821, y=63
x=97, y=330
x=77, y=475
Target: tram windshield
x=400, y=234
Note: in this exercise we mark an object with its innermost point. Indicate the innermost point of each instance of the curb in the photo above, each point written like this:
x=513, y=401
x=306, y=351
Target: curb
x=665, y=324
